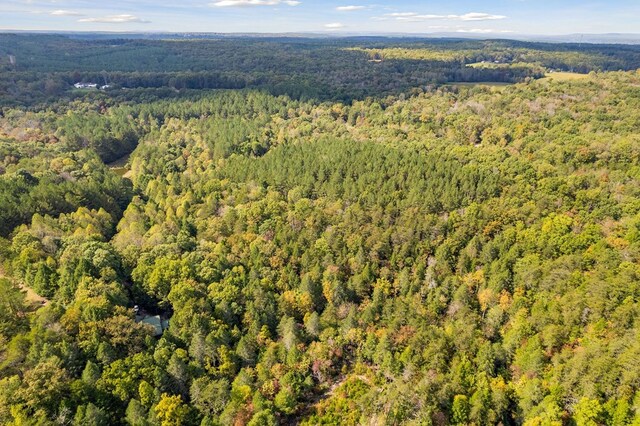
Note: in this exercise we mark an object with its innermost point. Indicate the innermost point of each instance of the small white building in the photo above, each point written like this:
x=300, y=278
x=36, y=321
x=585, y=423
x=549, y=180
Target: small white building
x=158, y=324
x=85, y=85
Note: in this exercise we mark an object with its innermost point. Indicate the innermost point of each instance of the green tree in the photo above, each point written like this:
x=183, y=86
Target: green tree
x=90, y=415
x=460, y=410
x=171, y=411
x=588, y=412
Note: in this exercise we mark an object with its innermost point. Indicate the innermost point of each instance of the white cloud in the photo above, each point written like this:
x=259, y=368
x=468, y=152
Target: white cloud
x=349, y=8
x=65, y=13
x=248, y=3
x=402, y=14
x=475, y=16
x=115, y=19
x=471, y=16
x=334, y=26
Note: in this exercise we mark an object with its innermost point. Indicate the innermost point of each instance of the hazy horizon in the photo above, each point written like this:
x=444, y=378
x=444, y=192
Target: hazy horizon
x=464, y=17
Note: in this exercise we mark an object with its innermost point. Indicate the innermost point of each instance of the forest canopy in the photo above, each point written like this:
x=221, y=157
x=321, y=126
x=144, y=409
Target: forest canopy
x=262, y=232
x=36, y=68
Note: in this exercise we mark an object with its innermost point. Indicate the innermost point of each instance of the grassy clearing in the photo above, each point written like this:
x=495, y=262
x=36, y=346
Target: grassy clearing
x=33, y=299
x=495, y=84
x=389, y=53
x=501, y=65
x=564, y=76
x=120, y=166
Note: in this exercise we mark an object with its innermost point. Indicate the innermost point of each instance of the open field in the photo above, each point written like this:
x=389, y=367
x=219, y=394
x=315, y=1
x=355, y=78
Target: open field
x=498, y=65
x=494, y=84
x=565, y=76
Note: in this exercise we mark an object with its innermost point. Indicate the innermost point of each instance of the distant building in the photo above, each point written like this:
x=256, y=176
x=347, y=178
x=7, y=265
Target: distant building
x=105, y=87
x=85, y=85
x=159, y=325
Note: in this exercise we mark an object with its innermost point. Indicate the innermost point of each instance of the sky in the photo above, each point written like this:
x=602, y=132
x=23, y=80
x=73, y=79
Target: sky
x=539, y=17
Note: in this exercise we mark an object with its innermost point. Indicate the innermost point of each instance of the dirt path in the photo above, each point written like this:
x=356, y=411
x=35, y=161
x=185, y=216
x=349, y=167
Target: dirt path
x=31, y=296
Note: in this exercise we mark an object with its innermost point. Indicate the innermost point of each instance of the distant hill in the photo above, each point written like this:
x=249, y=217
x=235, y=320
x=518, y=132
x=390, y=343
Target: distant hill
x=609, y=38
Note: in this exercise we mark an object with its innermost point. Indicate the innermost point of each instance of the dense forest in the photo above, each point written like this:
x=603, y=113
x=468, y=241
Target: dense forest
x=36, y=69
x=319, y=232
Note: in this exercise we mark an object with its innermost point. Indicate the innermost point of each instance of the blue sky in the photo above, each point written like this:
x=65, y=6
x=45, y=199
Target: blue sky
x=347, y=16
